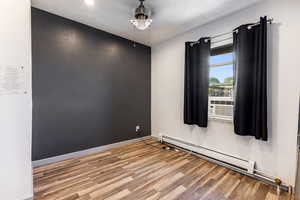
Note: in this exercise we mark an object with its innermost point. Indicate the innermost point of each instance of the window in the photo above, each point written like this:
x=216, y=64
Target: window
x=221, y=83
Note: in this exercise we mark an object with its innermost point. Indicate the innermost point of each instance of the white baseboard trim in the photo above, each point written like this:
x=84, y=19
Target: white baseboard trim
x=31, y=198
x=77, y=154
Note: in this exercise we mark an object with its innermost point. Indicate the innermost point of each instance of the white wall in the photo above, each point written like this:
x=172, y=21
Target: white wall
x=15, y=111
x=276, y=157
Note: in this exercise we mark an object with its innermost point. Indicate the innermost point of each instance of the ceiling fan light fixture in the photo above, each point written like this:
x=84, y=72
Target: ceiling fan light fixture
x=89, y=2
x=141, y=17
x=141, y=24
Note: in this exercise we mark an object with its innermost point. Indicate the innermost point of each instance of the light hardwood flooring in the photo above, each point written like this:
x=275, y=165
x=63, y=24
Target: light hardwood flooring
x=141, y=171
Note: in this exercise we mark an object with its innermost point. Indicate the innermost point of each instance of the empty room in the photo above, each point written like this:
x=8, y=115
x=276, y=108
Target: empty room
x=149, y=100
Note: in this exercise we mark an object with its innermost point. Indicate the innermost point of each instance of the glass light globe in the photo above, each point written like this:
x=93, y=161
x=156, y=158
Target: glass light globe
x=141, y=24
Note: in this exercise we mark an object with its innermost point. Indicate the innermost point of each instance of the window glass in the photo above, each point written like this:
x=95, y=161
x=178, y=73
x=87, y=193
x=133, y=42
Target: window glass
x=223, y=74
x=223, y=58
x=221, y=86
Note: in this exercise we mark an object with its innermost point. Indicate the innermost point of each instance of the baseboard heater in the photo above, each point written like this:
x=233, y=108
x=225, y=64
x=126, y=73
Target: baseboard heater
x=235, y=163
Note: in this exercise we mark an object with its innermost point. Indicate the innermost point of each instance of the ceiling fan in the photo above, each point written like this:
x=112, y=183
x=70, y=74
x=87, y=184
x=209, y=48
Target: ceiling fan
x=142, y=16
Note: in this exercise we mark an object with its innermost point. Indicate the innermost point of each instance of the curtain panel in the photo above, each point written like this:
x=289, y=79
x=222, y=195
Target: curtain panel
x=250, y=71
x=196, y=82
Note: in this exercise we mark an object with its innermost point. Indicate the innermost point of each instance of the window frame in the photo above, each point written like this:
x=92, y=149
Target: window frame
x=224, y=49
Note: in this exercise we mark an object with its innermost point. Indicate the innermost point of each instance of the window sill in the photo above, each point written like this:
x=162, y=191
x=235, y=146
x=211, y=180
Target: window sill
x=220, y=119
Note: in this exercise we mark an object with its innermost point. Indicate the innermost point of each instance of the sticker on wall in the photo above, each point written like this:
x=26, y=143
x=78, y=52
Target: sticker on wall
x=12, y=80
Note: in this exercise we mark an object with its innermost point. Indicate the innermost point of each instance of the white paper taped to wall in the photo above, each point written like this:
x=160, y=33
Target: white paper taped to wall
x=12, y=80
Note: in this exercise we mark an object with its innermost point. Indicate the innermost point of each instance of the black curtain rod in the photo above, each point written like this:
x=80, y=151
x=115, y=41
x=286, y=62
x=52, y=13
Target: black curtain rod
x=270, y=21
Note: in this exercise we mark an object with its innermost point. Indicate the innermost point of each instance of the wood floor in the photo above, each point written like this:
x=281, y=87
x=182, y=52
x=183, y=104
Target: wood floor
x=140, y=171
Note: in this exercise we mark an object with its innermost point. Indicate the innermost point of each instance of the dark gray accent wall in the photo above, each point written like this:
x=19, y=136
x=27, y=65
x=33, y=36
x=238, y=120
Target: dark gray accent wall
x=90, y=88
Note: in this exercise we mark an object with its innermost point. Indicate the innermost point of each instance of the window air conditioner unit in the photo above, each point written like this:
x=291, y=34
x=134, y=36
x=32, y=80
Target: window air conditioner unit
x=221, y=107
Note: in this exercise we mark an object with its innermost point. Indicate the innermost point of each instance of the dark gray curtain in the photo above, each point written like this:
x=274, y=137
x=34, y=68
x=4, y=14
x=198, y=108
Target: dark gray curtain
x=250, y=65
x=196, y=83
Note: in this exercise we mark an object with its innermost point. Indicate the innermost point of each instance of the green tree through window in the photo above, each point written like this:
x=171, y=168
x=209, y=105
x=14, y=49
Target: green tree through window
x=213, y=81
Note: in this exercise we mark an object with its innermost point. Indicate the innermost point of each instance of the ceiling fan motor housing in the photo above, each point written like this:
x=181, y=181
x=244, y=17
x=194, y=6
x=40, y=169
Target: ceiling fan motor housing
x=141, y=11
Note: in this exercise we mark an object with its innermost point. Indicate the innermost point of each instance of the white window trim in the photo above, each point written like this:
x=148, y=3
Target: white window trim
x=220, y=119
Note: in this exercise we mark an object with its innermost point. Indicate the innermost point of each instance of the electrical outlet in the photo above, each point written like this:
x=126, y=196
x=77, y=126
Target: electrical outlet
x=137, y=129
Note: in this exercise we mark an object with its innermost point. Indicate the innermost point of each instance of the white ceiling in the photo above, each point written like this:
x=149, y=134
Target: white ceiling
x=170, y=17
